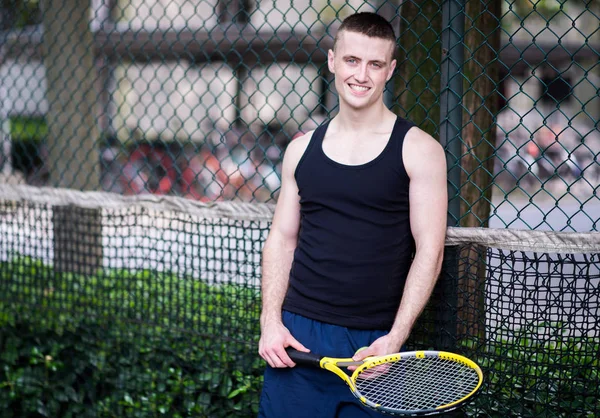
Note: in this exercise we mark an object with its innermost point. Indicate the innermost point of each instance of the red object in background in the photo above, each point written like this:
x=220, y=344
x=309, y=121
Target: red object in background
x=533, y=149
x=150, y=169
x=203, y=178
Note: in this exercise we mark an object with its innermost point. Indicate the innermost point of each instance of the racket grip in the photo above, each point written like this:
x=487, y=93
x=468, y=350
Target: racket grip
x=306, y=359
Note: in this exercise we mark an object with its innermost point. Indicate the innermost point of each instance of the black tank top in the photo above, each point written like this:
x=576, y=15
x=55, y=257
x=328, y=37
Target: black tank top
x=355, y=245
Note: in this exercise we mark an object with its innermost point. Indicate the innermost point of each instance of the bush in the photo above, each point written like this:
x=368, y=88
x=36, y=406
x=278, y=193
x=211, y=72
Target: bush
x=535, y=375
x=149, y=344
x=123, y=344
x=28, y=135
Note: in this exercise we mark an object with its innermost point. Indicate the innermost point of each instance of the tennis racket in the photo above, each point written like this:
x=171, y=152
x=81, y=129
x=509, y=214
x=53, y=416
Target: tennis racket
x=408, y=384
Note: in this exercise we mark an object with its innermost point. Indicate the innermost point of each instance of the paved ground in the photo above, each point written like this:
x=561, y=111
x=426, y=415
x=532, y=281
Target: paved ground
x=572, y=214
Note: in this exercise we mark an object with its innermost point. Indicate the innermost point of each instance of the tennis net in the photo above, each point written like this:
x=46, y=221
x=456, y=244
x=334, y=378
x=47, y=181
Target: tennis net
x=148, y=305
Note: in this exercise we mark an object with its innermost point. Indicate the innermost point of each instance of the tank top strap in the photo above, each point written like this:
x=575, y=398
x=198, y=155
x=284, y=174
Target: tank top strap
x=399, y=132
x=319, y=134
x=315, y=143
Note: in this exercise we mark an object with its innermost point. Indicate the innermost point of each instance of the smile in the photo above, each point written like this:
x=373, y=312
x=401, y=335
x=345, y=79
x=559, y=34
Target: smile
x=356, y=87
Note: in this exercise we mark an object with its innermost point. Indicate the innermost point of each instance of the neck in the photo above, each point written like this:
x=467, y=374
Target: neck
x=363, y=120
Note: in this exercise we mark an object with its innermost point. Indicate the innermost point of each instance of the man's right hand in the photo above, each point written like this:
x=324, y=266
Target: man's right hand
x=274, y=339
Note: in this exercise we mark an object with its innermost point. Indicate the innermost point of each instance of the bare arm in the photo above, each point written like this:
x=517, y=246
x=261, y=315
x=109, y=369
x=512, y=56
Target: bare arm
x=426, y=166
x=277, y=257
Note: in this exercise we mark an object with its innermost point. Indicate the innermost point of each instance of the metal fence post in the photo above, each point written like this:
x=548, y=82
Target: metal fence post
x=453, y=26
x=451, y=91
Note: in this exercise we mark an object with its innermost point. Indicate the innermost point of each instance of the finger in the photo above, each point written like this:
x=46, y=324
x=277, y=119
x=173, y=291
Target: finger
x=278, y=357
x=269, y=354
x=362, y=353
x=275, y=361
x=375, y=372
x=263, y=355
x=357, y=356
x=294, y=343
x=285, y=358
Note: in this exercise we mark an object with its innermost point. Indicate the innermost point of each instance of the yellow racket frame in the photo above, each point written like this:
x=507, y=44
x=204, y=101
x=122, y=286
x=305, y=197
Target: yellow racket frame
x=334, y=364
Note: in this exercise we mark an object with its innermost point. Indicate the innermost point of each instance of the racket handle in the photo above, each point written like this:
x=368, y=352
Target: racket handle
x=306, y=359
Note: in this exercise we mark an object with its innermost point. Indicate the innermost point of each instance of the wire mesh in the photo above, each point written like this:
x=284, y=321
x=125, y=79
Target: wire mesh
x=199, y=98
x=156, y=313
x=124, y=306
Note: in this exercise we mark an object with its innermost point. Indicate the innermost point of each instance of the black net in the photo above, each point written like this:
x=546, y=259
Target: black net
x=148, y=306
x=541, y=340
x=128, y=311
x=524, y=306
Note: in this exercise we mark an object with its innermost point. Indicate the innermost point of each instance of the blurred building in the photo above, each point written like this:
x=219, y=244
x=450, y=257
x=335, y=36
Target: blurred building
x=195, y=96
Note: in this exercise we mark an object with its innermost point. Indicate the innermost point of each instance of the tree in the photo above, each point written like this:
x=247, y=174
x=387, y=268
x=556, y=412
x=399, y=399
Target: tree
x=418, y=80
x=72, y=131
x=70, y=73
x=481, y=104
x=16, y=14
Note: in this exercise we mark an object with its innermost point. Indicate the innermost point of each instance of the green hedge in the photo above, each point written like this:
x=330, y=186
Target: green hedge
x=148, y=344
x=24, y=128
x=28, y=134
x=125, y=344
x=533, y=374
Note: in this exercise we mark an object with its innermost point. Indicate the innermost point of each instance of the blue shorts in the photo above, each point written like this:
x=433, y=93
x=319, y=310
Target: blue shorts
x=305, y=392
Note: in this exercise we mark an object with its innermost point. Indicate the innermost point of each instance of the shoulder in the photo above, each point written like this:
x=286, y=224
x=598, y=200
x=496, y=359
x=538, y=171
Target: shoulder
x=300, y=144
x=295, y=150
x=420, y=141
x=422, y=152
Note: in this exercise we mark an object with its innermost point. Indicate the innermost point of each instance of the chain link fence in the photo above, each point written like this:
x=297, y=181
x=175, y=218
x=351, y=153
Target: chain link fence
x=199, y=98
x=147, y=304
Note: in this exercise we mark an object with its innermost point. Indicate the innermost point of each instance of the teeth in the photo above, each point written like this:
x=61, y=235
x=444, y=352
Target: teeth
x=358, y=88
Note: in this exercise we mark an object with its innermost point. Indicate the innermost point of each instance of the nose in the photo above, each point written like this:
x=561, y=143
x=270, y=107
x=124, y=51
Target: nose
x=362, y=74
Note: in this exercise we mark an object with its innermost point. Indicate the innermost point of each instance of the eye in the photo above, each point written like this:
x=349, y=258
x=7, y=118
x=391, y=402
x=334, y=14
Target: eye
x=351, y=61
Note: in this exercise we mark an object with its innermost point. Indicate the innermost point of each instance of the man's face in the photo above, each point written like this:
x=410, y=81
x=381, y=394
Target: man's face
x=362, y=65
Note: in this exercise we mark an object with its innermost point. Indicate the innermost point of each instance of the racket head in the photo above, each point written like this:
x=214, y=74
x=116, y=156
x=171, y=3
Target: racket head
x=417, y=382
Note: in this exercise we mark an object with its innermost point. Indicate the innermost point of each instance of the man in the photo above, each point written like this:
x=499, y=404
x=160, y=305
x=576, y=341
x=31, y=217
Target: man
x=357, y=236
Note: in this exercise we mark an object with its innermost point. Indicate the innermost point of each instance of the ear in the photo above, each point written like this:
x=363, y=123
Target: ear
x=391, y=70
x=330, y=61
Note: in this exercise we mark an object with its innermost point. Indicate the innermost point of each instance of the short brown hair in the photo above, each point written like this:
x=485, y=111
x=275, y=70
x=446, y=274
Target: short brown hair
x=369, y=24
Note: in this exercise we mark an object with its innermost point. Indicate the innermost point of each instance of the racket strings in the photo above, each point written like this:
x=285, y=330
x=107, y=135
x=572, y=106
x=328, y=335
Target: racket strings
x=417, y=383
